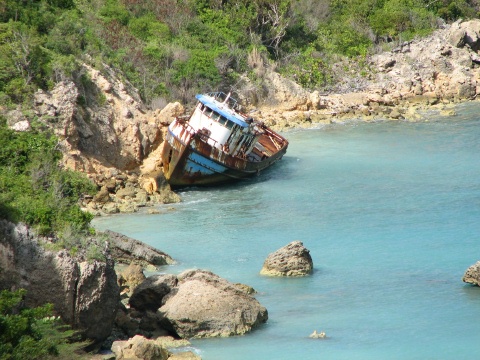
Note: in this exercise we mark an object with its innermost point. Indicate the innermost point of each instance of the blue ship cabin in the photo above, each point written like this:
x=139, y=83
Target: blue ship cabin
x=223, y=127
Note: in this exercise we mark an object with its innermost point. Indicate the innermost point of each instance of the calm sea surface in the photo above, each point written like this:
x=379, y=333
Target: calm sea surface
x=391, y=215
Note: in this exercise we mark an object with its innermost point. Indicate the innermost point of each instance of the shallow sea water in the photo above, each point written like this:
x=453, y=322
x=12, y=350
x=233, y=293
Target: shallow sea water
x=391, y=215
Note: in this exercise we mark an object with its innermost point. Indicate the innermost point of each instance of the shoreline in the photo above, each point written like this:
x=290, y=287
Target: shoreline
x=117, y=144
x=138, y=200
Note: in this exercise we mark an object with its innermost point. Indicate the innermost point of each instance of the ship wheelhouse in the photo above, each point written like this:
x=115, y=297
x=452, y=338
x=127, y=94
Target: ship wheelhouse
x=222, y=127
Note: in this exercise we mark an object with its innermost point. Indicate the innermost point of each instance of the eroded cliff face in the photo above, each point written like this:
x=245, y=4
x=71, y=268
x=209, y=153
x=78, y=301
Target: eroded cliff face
x=103, y=125
x=106, y=132
x=84, y=293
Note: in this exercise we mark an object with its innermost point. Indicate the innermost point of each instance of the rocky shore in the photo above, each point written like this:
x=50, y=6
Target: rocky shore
x=432, y=73
x=113, y=138
x=117, y=307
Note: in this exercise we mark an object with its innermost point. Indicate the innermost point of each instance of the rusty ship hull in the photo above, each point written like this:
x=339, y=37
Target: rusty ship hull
x=218, y=144
x=188, y=160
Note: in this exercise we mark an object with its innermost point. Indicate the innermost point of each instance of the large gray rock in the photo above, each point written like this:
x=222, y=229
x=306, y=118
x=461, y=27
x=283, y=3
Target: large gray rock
x=150, y=293
x=97, y=297
x=84, y=294
x=206, y=305
x=127, y=250
x=291, y=260
x=472, y=275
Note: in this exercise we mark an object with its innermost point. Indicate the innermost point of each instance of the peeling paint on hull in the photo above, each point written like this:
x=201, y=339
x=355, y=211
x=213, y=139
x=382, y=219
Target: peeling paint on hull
x=188, y=167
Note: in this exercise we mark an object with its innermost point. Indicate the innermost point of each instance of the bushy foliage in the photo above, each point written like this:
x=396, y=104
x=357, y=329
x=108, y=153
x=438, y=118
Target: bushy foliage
x=33, y=188
x=20, y=335
x=32, y=333
x=170, y=49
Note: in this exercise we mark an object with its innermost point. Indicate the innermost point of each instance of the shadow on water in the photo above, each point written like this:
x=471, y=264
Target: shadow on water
x=472, y=293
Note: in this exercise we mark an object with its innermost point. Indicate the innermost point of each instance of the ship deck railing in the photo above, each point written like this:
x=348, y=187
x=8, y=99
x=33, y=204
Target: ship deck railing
x=221, y=97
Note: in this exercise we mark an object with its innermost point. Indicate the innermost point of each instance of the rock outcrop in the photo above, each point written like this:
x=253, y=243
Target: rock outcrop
x=106, y=132
x=97, y=296
x=130, y=278
x=472, y=275
x=150, y=293
x=206, y=305
x=84, y=293
x=291, y=260
x=433, y=72
x=126, y=250
x=139, y=348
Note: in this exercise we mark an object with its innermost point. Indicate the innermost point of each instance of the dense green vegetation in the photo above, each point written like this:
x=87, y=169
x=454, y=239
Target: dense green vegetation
x=32, y=333
x=34, y=189
x=171, y=49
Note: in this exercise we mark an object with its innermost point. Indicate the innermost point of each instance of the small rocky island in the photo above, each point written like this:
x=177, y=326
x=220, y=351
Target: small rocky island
x=472, y=274
x=291, y=260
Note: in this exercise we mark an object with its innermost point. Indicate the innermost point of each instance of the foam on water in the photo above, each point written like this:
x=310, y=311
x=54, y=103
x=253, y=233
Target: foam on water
x=390, y=213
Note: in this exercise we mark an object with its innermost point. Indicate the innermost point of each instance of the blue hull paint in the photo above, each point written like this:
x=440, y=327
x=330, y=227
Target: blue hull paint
x=199, y=163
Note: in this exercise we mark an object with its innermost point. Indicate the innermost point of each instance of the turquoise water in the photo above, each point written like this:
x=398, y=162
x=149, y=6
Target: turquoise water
x=391, y=215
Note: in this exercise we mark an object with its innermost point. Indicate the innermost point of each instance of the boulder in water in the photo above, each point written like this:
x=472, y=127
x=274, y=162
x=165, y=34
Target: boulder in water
x=472, y=275
x=206, y=305
x=291, y=260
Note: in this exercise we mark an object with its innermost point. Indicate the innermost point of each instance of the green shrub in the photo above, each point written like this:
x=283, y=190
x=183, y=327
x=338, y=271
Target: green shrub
x=402, y=17
x=340, y=38
x=32, y=184
x=32, y=333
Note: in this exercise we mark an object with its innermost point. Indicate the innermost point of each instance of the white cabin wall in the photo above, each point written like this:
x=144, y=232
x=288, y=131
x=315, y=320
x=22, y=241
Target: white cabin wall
x=196, y=119
x=219, y=132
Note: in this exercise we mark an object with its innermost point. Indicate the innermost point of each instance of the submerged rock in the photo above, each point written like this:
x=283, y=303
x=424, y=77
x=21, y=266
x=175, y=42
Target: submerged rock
x=472, y=275
x=291, y=260
x=206, y=305
x=187, y=355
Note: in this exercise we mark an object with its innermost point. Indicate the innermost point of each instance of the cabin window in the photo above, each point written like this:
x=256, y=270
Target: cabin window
x=215, y=116
x=208, y=112
x=223, y=120
x=230, y=124
x=201, y=107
